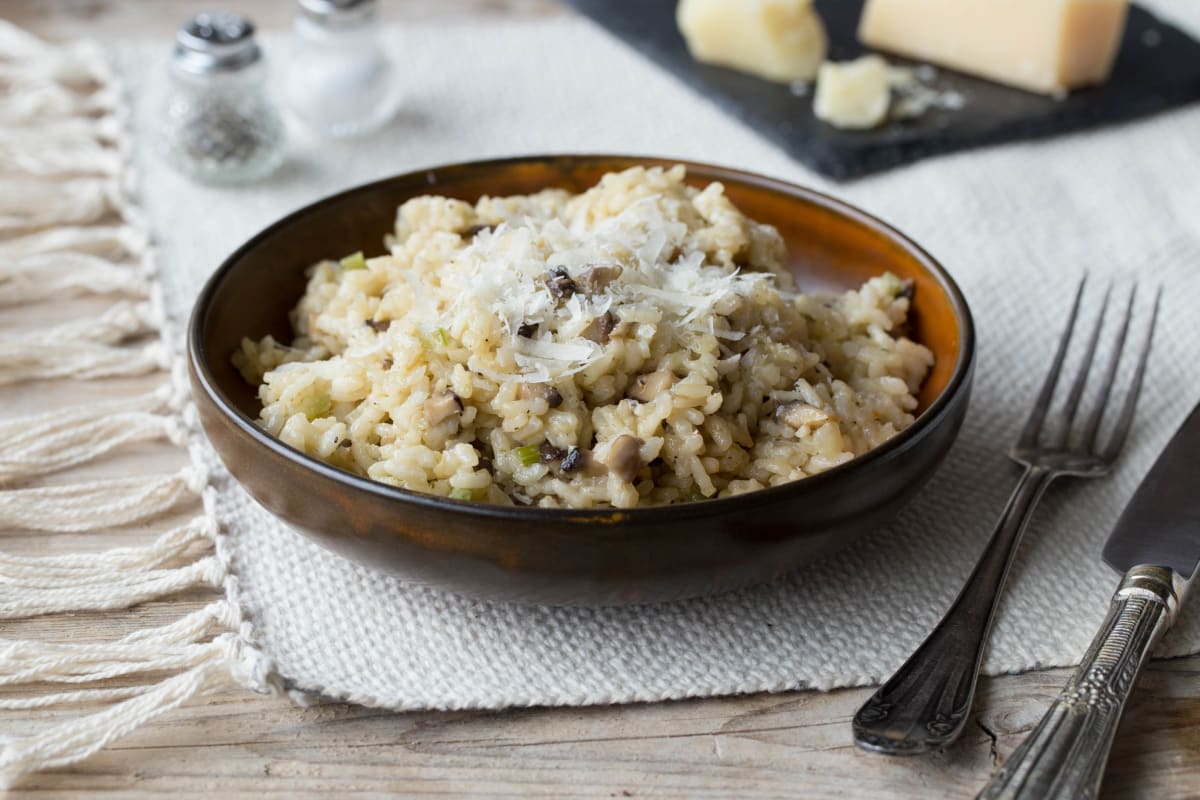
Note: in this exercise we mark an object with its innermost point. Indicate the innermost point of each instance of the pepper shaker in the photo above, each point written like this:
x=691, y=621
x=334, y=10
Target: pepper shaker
x=340, y=81
x=219, y=126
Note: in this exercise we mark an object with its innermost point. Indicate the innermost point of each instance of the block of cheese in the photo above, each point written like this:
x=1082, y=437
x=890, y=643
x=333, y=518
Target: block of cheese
x=780, y=40
x=854, y=94
x=1046, y=46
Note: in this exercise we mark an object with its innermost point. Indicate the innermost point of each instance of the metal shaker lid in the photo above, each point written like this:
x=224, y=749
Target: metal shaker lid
x=338, y=13
x=216, y=41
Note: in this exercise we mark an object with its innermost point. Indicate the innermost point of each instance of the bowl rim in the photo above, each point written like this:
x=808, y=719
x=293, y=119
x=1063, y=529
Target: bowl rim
x=926, y=421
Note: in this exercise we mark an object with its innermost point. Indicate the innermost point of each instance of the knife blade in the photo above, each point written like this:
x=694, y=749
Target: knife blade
x=1156, y=545
x=1161, y=524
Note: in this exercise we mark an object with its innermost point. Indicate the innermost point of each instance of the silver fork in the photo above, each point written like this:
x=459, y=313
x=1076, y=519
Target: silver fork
x=925, y=704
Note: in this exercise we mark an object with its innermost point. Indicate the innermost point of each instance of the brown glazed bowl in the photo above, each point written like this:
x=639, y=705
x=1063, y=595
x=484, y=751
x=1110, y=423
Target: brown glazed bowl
x=563, y=556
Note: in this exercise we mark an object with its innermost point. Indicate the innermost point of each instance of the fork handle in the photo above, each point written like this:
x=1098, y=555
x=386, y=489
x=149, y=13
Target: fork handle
x=1064, y=757
x=926, y=703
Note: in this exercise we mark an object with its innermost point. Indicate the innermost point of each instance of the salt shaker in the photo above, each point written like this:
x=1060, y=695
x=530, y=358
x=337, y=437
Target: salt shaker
x=219, y=125
x=340, y=81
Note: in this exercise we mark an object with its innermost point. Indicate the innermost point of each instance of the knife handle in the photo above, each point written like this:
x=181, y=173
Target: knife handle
x=1064, y=757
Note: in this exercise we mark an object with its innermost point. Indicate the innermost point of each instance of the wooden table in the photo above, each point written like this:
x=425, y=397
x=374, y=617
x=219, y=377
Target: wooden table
x=789, y=745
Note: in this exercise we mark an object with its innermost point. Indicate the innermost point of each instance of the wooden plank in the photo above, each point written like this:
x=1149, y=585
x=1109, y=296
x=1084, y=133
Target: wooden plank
x=762, y=746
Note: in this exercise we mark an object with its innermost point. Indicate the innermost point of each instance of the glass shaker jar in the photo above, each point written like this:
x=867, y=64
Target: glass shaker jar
x=219, y=125
x=340, y=81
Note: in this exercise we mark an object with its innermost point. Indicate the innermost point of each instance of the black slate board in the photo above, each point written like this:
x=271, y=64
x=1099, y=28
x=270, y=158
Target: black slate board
x=1157, y=68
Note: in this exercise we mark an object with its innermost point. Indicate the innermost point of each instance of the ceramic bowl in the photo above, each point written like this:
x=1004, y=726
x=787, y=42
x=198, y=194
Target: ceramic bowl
x=562, y=556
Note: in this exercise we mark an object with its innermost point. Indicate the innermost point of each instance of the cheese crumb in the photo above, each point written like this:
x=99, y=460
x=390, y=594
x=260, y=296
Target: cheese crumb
x=853, y=95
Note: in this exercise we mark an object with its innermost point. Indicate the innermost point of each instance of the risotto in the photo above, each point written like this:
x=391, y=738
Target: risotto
x=639, y=343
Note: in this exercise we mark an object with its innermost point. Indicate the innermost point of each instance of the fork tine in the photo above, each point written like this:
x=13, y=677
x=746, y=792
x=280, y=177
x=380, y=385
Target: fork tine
x=1092, y=425
x=1081, y=376
x=1125, y=421
x=1037, y=415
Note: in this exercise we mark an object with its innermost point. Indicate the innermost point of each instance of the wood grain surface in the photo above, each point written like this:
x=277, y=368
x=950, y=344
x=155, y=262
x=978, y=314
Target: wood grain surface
x=796, y=745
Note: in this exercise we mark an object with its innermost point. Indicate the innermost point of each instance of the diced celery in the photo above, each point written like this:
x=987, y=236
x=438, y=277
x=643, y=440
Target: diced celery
x=529, y=454
x=435, y=339
x=317, y=405
x=354, y=261
x=467, y=494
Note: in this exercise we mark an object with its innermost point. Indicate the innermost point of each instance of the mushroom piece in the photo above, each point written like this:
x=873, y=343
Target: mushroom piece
x=624, y=459
x=559, y=283
x=798, y=414
x=623, y=330
x=550, y=453
x=649, y=386
x=531, y=391
x=574, y=459
x=475, y=230
x=440, y=407
x=600, y=329
x=596, y=279
x=378, y=325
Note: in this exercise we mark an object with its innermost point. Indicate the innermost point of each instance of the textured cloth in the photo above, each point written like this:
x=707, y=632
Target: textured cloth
x=1016, y=225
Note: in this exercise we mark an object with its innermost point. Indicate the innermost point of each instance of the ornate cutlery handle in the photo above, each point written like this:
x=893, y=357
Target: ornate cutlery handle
x=925, y=704
x=1064, y=757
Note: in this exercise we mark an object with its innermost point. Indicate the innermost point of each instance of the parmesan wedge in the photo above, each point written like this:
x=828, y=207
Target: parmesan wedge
x=1046, y=46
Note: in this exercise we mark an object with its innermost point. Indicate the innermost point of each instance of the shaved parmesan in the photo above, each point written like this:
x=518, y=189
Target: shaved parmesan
x=557, y=351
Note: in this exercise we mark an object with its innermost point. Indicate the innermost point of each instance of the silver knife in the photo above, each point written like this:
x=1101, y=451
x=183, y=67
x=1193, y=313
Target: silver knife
x=1156, y=544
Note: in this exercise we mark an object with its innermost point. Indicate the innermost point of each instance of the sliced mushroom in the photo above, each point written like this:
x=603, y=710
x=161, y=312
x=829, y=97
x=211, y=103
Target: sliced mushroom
x=798, y=414
x=596, y=279
x=649, y=386
x=623, y=330
x=559, y=283
x=440, y=407
x=600, y=329
x=624, y=459
x=532, y=391
x=573, y=460
x=550, y=453
x=474, y=230
x=378, y=325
